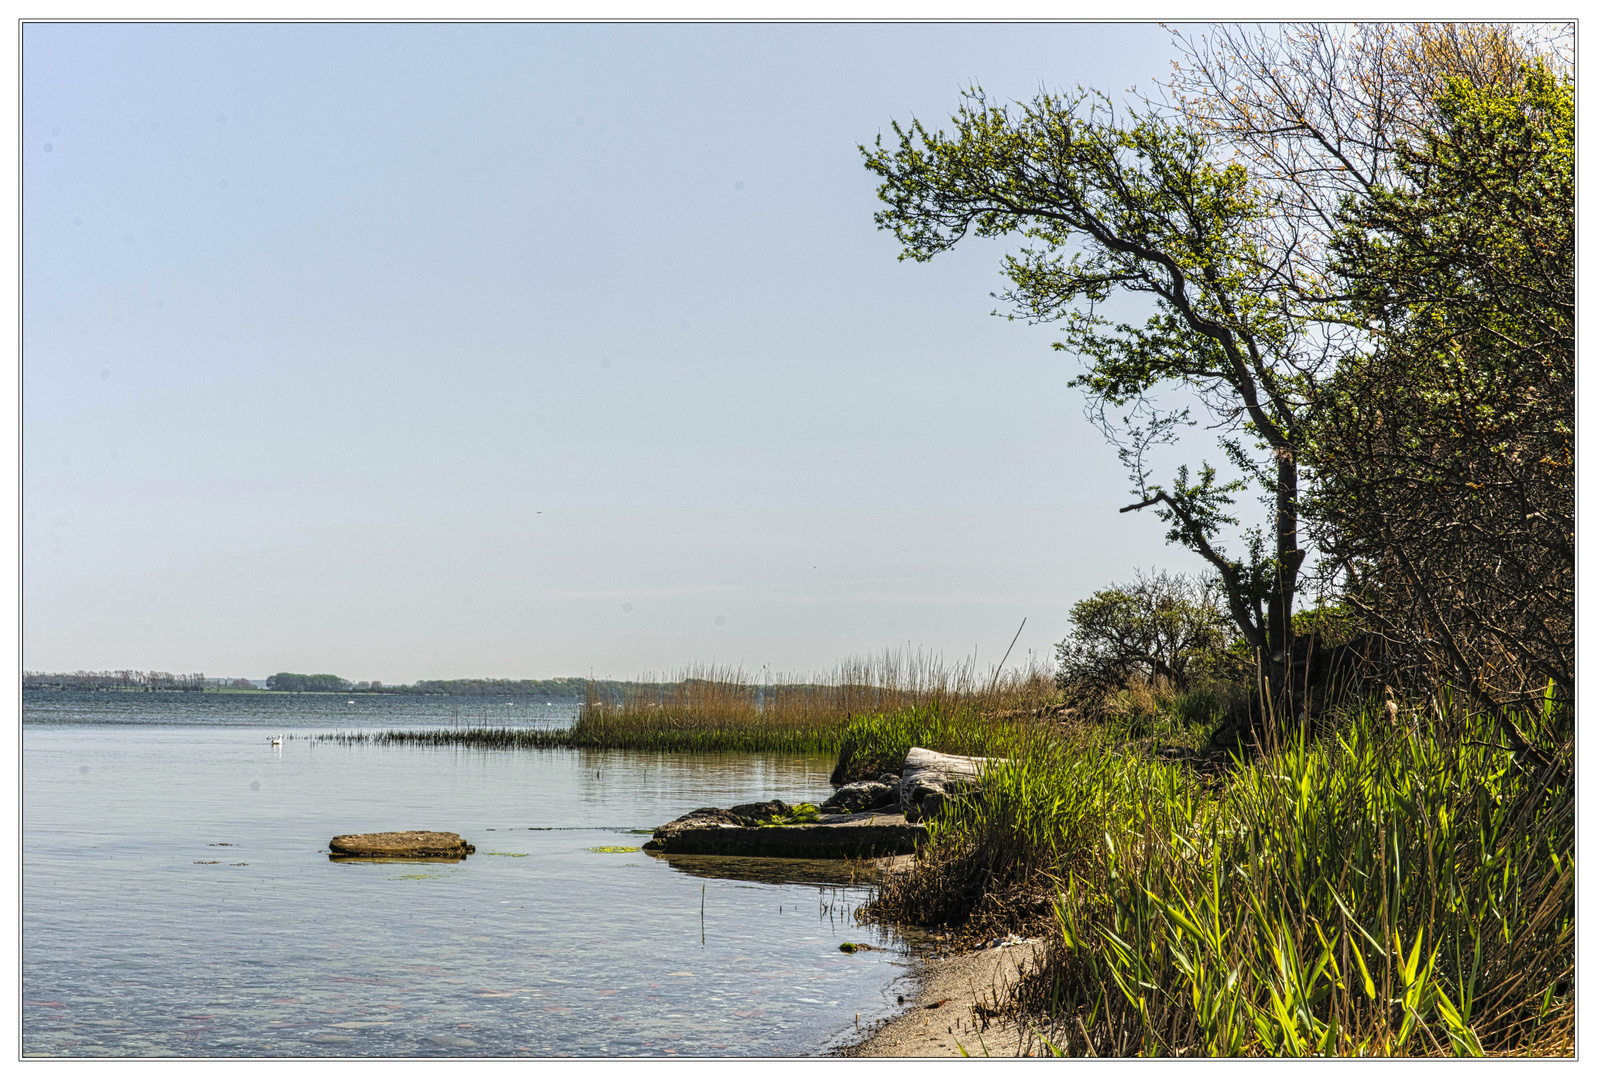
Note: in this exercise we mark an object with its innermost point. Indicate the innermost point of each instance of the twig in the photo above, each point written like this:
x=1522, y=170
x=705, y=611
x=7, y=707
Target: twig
x=1007, y=651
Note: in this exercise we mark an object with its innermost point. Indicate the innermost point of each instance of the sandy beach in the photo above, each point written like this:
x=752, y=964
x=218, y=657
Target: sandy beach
x=947, y=1013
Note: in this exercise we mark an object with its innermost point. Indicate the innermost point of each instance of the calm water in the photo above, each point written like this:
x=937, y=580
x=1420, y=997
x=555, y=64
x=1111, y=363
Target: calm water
x=178, y=899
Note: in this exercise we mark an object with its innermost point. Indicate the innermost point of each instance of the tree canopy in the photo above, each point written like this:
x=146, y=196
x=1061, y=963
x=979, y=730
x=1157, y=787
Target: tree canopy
x=1356, y=245
x=1108, y=202
x=1445, y=456
x=301, y=684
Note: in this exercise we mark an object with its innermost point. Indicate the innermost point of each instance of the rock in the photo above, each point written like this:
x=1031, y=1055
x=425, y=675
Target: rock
x=860, y=795
x=930, y=779
x=755, y=812
x=888, y=778
x=401, y=845
x=834, y=837
x=709, y=815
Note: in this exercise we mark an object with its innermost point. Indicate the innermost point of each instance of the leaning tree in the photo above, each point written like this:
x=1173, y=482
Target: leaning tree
x=1108, y=201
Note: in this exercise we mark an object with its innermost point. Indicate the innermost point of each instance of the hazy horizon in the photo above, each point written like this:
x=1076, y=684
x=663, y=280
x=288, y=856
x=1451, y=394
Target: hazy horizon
x=529, y=351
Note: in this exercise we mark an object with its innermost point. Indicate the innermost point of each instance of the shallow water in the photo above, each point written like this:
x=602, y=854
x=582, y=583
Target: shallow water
x=178, y=898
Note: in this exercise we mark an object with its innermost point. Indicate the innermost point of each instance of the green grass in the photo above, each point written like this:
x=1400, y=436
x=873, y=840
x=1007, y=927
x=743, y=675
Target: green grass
x=872, y=745
x=1370, y=890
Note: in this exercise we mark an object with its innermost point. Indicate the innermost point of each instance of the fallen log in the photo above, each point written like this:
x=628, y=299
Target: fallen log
x=930, y=779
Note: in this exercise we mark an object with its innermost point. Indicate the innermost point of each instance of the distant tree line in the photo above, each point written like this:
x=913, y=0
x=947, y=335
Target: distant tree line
x=570, y=689
x=114, y=680
x=306, y=684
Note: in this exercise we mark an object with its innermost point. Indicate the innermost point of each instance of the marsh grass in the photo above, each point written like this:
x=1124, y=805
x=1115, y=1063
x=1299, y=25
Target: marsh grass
x=726, y=708
x=1047, y=798
x=1378, y=891
x=711, y=709
x=1361, y=888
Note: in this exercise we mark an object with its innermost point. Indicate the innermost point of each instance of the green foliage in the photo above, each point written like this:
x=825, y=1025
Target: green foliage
x=1383, y=892
x=1159, y=626
x=1139, y=205
x=1201, y=707
x=306, y=684
x=1445, y=453
x=1332, y=624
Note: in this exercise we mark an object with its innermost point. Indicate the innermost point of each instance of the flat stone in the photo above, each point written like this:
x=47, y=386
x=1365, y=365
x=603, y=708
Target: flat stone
x=835, y=836
x=402, y=845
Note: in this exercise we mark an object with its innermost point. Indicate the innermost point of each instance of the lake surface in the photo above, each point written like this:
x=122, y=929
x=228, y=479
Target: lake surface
x=178, y=899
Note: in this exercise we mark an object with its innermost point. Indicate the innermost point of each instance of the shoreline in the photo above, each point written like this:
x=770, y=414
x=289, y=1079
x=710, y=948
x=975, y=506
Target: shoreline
x=947, y=1013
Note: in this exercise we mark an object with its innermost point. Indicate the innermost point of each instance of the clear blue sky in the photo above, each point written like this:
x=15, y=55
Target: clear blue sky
x=416, y=351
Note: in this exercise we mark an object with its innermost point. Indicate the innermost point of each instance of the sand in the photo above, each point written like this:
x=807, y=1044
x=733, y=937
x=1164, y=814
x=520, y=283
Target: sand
x=943, y=1017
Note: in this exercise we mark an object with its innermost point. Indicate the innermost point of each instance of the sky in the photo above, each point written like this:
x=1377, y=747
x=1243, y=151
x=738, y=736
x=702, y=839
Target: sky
x=525, y=351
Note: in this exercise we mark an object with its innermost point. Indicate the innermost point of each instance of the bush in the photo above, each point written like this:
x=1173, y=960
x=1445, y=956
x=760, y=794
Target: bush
x=1159, y=627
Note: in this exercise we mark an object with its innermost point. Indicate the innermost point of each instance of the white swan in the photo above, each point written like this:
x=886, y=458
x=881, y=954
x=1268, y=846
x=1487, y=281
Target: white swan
x=277, y=740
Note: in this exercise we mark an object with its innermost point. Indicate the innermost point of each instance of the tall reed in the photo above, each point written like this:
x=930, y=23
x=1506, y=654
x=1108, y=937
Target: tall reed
x=1384, y=891
x=708, y=708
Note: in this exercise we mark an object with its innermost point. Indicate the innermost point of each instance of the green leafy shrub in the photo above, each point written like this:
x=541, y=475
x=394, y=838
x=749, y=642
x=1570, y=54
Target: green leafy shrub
x=1159, y=628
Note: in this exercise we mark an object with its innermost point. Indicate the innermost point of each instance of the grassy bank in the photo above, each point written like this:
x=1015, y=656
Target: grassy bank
x=1369, y=890
x=1365, y=888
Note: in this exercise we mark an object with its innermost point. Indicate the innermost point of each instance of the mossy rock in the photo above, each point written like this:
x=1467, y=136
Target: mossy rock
x=401, y=845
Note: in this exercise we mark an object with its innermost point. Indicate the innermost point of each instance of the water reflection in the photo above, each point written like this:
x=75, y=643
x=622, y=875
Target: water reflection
x=178, y=901
x=866, y=872
x=334, y=856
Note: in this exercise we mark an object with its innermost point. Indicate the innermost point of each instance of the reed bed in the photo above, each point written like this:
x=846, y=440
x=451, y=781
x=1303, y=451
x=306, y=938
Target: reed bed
x=717, y=710
x=1376, y=890
x=706, y=708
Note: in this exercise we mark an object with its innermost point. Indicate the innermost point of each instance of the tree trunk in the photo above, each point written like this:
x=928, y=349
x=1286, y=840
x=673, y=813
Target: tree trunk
x=1288, y=694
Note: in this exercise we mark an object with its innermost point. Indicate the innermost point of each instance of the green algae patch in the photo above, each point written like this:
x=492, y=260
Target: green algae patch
x=805, y=813
x=613, y=850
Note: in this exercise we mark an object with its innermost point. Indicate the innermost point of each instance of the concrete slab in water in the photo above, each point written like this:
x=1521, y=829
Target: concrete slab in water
x=836, y=836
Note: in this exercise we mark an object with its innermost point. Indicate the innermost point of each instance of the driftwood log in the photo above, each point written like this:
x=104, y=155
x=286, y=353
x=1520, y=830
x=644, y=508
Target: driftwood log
x=930, y=779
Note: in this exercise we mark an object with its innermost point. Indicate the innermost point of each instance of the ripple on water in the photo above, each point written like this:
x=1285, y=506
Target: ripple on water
x=539, y=950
